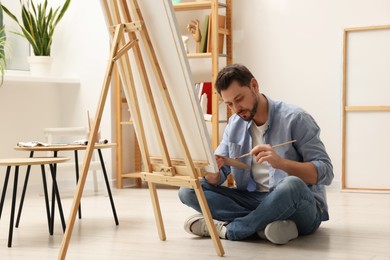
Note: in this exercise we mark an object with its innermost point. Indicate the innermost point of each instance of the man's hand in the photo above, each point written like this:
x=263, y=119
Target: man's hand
x=265, y=153
x=304, y=170
x=213, y=178
x=220, y=161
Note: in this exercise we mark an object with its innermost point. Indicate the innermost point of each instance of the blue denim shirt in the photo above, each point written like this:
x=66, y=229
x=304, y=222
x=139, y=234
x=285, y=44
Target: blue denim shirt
x=285, y=122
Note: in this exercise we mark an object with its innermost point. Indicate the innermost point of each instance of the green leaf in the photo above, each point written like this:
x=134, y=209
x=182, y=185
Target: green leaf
x=38, y=24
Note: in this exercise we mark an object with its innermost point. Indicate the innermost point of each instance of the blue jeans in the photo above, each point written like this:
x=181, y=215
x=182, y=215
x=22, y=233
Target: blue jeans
x=249, y=212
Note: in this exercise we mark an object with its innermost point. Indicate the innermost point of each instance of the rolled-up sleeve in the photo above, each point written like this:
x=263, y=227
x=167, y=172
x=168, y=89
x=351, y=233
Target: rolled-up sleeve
x=311, y=148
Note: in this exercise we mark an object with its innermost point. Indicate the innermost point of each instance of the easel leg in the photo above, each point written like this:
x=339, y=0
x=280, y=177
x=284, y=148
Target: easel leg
x=157, y=210
x=91, y=142
x=209, y=219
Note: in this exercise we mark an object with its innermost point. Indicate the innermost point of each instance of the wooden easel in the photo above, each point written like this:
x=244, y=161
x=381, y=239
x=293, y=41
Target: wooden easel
x=125, y=24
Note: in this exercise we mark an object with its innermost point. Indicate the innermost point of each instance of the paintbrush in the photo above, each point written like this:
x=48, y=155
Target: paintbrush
x=274, y=146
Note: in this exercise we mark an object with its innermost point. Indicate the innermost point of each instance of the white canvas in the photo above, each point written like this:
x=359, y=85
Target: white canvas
x=160, y=21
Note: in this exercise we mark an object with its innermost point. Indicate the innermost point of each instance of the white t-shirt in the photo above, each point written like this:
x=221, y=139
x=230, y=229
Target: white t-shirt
x=260, y=172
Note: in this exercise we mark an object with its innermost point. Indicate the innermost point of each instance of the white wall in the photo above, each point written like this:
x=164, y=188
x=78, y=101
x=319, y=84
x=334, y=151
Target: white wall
x=80, y=50
x=294, y=49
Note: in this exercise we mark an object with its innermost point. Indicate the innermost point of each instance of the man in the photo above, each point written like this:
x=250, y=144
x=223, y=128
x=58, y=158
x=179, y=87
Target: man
x=283, y=194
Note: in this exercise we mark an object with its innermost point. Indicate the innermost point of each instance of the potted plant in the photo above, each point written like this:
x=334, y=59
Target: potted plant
x=38, y=25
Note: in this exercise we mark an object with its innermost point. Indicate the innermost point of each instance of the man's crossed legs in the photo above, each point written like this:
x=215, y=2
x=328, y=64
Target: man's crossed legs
x=278, y=216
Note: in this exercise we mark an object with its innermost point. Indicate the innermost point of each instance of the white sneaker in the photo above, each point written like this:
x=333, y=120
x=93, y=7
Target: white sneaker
x=281, y=231
x=196, y=225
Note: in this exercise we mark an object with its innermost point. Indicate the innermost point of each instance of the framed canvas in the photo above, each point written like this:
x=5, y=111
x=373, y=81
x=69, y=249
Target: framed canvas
x=366, y=109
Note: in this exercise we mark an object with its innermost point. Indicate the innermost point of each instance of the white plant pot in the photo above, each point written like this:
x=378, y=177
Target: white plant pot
x=40, y=66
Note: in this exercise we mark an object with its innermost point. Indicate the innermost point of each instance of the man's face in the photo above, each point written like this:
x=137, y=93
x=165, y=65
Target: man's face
x=241, y=99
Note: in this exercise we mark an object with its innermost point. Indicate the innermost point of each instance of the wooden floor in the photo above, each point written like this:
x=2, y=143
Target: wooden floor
x=359, y=229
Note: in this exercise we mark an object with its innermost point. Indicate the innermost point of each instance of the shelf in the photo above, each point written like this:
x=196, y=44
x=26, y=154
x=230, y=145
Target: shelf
x=202, y=55
x=214, y=6
x=18, y=77
x=195, y=6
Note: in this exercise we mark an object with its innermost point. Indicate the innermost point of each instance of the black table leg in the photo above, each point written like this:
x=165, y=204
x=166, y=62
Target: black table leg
x=44, y=183
x=76, y=162
x=23, y=192
x=53, y=199
x=53, y=169
x=11, y=223
x=108, y=187
x=4, y=189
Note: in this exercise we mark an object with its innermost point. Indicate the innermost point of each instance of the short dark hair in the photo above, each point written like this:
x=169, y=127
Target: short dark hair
x=230, y=73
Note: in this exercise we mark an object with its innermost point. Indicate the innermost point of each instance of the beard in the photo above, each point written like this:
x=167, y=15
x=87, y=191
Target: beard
x=252, y=111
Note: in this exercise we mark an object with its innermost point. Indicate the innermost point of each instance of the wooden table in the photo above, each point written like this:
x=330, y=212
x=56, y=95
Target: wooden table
x=17, y=162
x=69, y=147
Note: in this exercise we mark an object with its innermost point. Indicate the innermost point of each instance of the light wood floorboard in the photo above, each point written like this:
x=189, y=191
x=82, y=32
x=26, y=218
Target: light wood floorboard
x=359, y=229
